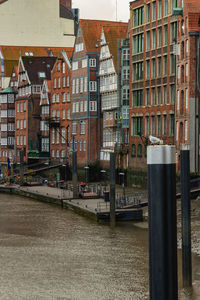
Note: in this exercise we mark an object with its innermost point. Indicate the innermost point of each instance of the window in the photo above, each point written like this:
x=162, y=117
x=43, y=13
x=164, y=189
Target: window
x=21, y=107
x=137, y=98
x=84, y=145
x=54, y=83
x=158, y=125
x=59, y=82
x=85, y=84
x=133, y=150
x=17, y=140
x=92, y=62
x=165, y=34
x=63, y=68
x=165, y=7
x=17, y=107
x=17, y=124
x=147, y=126
x=164, y=94
x=138, y=16
x=186, y=130
x=171, y=124
x=147, y=69
x=159, y=9
x=165, y=65
x=93, y=106
x=67, y=81
x=82, y=127
x=63, y=135
x=53, y=136
x=74, y=65
x=93, y=86
x=178, y=100
x=84, y=63
x=177, y=131
x=138, y=71
x=80, y=145
x=57, y=153
x=153, y=39
x=81, y=85
x=21, y=140
x=62, y=153
x=158, y=66
x=147, y=96
x=186, y=69
x=138, y=43
x=148, y=11
x=79, y=47
x=53, y=98
x=159, y=37
x=148, y=40
x=153, y=67
x=137, y=125
x=63, y=114
x=68, y=97
x=57, y=137
x=74, y=127
x=57, y=98
x=68, y=114
x=159, y=95
x=139, y=150
x=186, y=98
x=173, y=29
x=58, y=67
x=173, y=63
x=24, y=124
x=77, y=85
x=154, y=10
x=153, y=96
x=186, y=46
x=153, y=125
x=24, y=106
x=165, y=125
x=172, y=93
x=24, y=140
x=53, y=153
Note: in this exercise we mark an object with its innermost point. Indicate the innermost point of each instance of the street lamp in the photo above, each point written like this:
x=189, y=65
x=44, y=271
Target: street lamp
x=123, y=185
x=86, y=174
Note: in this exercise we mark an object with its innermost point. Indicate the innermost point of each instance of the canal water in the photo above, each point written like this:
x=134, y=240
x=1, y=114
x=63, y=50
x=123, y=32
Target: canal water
x=50, y=253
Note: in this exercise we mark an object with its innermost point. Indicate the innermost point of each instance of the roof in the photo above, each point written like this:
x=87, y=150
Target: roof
x=35, y=65
x=8, y=90
x=92, y=31
x=11, y=54
x=112, y=34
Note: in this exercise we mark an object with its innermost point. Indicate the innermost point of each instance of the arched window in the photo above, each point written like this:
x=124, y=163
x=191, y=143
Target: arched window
x=139, y=150
x=133, y=150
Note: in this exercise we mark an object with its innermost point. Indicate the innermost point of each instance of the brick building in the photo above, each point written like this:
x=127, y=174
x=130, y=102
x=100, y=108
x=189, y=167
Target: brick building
x=188, y=80
x=109, y=69
x=85, y=101
x=32, y=72
x=153, y=35
x=60, y=107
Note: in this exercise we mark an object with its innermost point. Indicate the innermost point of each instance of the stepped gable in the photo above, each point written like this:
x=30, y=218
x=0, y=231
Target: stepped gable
x=112, y=35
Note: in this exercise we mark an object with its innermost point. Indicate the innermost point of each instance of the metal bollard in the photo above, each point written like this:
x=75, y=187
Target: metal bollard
x=161, y=161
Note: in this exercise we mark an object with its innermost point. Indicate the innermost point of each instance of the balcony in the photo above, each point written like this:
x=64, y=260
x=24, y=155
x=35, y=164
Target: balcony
x=53, y=122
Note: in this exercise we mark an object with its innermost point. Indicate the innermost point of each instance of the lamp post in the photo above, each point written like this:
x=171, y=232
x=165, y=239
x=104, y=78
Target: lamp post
x=86, y=175
x=123, y=185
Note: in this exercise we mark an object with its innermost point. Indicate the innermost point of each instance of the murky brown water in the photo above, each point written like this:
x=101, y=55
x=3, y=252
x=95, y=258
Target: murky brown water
x=50, y=253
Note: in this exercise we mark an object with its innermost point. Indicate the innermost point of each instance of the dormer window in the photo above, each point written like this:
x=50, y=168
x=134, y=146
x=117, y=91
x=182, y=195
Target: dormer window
x=42, y=75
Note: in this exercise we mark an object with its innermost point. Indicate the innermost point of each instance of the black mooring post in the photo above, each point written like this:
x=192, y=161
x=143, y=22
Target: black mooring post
x=186, y=218
x=74, y=174
x=161, y=161
x=112, y=189
x=21, y=172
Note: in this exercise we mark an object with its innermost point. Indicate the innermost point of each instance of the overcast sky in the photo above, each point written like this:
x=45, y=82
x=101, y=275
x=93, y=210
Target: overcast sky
x=103, y=9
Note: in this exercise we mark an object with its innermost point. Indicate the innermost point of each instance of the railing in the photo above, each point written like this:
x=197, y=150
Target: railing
x=129, y=199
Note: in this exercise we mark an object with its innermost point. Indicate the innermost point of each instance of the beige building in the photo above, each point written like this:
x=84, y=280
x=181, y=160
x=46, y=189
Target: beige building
x=36, y=23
